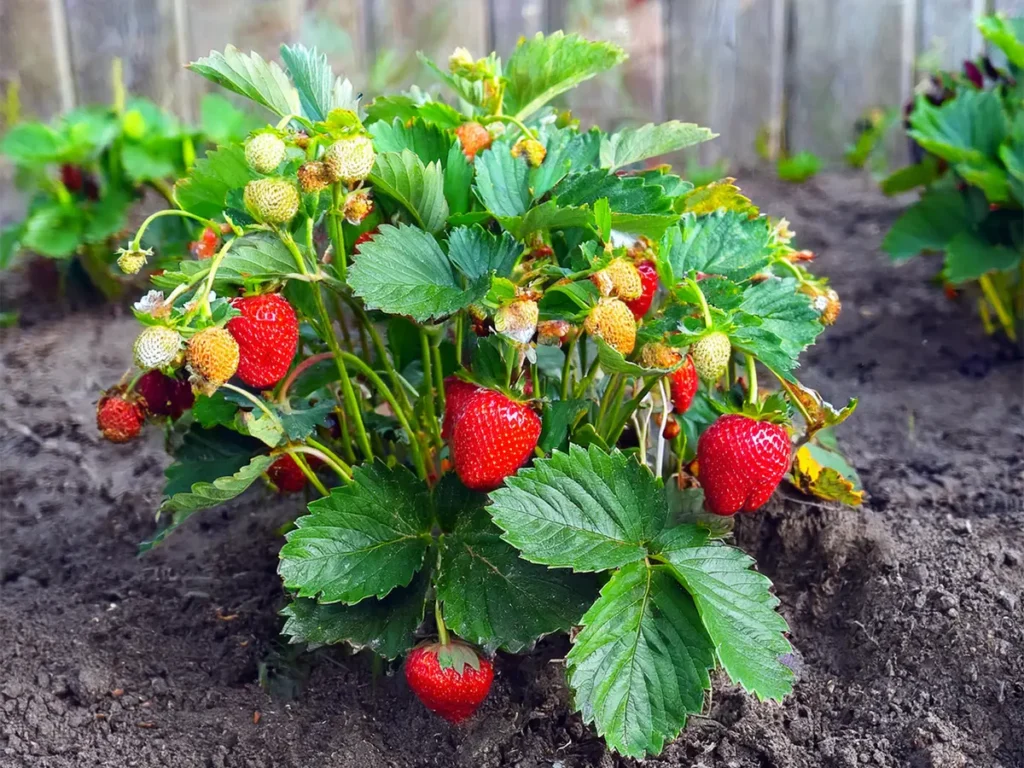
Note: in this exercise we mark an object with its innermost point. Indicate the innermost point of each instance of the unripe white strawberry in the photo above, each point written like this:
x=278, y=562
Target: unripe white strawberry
x=157, y=346
x=711, y=356
x=272, y=201
x=518, y=320
x=350, y=159
x=264, y=152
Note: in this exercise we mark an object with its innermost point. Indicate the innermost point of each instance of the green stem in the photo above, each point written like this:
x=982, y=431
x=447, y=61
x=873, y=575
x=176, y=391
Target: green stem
x=257, y=402
x=704, y=308
x=137, y=242
x=428, y=386
x=584, y=386
x=789, y=267
x=614, y=435
x=535, y=377
x=460, y=325
x=382, y=388
x=442, y=630
x=435, y=350
x=351, y=402
x=343, y=470
x=296, y=454
x=751, y=380
x=298, y=370
x=510, y=119
x=567, y=367
x=337, y=232
x=607, y=398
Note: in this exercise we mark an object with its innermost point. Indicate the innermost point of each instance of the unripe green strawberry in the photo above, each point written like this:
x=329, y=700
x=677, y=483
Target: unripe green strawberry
x=612, y=321
x=264, y=152
x=157, y=346
x=272, y=201
x=132, y=260
x=350, y=159
x=711, y=356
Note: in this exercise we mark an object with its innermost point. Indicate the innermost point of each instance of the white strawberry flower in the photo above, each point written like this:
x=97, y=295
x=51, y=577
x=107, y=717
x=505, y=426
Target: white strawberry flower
x=148, y=303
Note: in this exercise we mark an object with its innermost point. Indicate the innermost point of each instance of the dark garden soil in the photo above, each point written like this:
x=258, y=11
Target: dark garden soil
x=908, y=613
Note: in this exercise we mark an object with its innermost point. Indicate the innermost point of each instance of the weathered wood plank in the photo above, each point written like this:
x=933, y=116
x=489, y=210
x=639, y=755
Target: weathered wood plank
x=141, y=33
x=633, y=93
x=34, y=51
x=1010, y=7
x=847, y=56
x=511, y=20
x=727, y=72
x=948, y=35
x=400, y=28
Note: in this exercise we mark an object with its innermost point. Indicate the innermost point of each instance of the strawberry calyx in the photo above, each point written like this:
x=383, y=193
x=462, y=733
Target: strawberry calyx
x=774, y=409
x=454, y=654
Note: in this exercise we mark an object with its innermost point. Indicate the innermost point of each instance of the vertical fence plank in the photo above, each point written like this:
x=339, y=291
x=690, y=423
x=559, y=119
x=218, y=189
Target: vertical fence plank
x=34, y=51
x=634, y=91
x=948, y=35
x=400, y=28
x=847, y=56
x=727, y=72
x=338, y=29
x=1010, y=7
x=140, y=33
x=512, y=20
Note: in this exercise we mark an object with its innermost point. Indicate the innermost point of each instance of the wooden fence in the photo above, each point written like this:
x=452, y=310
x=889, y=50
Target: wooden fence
x=801, y=70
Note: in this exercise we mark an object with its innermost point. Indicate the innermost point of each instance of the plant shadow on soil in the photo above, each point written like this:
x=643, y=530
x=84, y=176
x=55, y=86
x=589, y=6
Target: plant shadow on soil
x=907, y=613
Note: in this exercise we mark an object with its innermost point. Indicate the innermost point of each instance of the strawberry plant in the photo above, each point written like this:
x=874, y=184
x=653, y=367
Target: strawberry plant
x=968, y=134
x=504, y=355
x=84, y=173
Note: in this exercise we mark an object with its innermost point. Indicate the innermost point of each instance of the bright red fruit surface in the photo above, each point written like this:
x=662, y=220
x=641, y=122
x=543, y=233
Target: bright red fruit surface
x=649, y=280
x=457, y=394
x=287, y=475
x=683, y=384
x=493, y=438
x=118, y=419
x=267, y=333
x=165, y=396
x=741, y=462
x=455, y=692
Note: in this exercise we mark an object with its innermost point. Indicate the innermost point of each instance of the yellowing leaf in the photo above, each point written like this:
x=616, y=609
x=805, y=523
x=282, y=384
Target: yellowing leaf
x=817, y=479
x=718, y=194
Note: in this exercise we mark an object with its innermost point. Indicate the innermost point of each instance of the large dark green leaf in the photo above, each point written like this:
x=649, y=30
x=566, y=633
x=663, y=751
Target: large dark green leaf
x=929, y=224
x=501, y=181
x=476, y=252
x=965, y=129
x=723, y=243
x=417, y=187
x=428, y=142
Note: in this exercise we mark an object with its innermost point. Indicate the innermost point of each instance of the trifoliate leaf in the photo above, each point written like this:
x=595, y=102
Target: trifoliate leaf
x=501, y=181
x=540, y=68
x=587, y=510
x=419, y=188
x=969, y=256
x=640, y=665
x=783, y=311
x=404, y=272
x=249, y=75
x=33, y=144
x=205, y=191
x=736, y=607
x=494, y=598
x=362, y=541
x=387, y=626
x=633, y=145
x=966, y=129
x=723, y=243
x=475, y=252
x=929, y=224
x=546, y=217
x=428, y=142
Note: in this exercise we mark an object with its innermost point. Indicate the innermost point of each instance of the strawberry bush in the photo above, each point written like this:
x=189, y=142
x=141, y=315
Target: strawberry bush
x=84, y=173
x=968, y=132
x=520, y=370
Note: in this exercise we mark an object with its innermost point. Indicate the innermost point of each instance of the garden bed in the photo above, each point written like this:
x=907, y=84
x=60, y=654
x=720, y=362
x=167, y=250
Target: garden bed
x=908, y=613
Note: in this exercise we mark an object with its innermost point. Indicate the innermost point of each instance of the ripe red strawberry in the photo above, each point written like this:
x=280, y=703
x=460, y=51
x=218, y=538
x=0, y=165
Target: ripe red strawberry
x=206, y=246
x=649, y=279
x=450, y=680
x=493, y=438
x=365, y=238
x=165, y=396
x=683, y=383
x=457, y=394
x=119, y=418
x=286, y=474
x=474, y=139
x=71, y=176
x=741, y=462
x=267, y=333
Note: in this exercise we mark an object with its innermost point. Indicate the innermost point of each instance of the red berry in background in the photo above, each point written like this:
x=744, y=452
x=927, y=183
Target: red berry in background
x=973, y=73
x=365, y=238
x=72, y=178
x=457, y=394
x=672, y=429
x=164, y=395
x=494, y=437
x=267, y=333
x=450, y=680
x=741, y=462
x=287, y=475
x=119, y=418
x=683, y=383
x=206, y=246
x=649, y=280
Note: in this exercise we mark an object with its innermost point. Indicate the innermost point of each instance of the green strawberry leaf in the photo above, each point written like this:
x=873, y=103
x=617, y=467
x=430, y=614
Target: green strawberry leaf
x=256, y=256
x=736, y=607
x=540, y=68
x=501, y=181
x=785, y=312
x=588, y=510
x=403, y=271
x=418, y=187
x=652, y=226
x=221, y=122
x=567, y=151
x=458, y=181
x=362, y=541
x=214, y=410
x=387, y=626
x=319, y=91
x=54, y=230
x=33, y=144
x=723, y=243
x=545, y=217
x=626, y=194
x=155, y=159
x=204, y=495
x=969, y=256
x=966, y=129
x=300, y=423
x=475, y=252
x=205, y=191
x=929, y=224
x=491, y=596
x=429, y=143
x=557, y=418
x=906, y=179
x=612, y=361
x=1006, y=34
x=640, y=665
x=249, y=75
x=633, y=145
x=109, y=216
